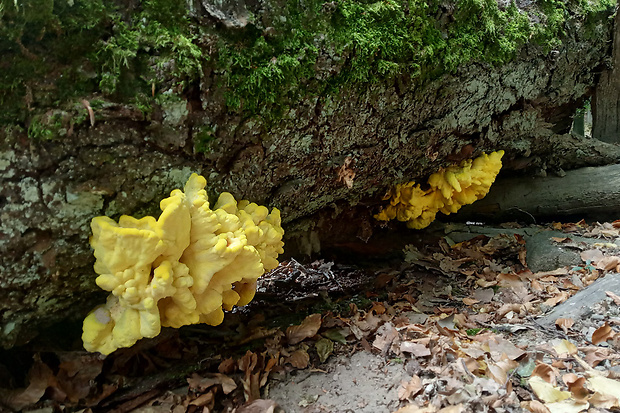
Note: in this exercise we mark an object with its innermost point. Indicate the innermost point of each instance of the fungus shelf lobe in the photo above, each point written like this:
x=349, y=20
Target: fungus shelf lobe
x=185, y=267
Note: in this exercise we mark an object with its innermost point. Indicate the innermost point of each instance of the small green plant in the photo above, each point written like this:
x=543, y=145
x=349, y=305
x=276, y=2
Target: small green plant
x=473, y=331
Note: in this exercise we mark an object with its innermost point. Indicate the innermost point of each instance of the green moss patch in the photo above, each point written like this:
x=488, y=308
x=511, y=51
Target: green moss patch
x=56, y=52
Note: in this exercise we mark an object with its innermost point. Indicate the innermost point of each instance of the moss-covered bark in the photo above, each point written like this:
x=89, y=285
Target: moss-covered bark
x=266, y=99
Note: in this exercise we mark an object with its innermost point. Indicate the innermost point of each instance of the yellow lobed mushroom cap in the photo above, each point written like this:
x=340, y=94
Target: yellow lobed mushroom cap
x=449, y=189
x=186, y=267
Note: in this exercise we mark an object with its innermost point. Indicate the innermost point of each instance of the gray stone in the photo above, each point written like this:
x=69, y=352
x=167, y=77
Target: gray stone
x=579, y=305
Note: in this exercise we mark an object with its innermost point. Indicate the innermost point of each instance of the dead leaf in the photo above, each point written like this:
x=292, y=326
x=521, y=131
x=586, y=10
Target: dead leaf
x=298, y=359
x=498, y=347
x=546, y=372
x=506, y=308
x=77, y=373
x=378, y=308
x=509, y=280
x=386, y=334
x=595, y=355
x=576, y=385
x=497, y=373
x=614, y=297
x=409, y=389
x=603, y=401
x=593, y=255
x=227, y=366
x=564, y=348
x=89, y=109
x=608, y=263
x=534, y=406
x=567, y=406
x=547, y=392
x=605, y=386
x=470, y=301
x=558, y=298
x=324, y=347
x=417, y=349
x=564, y=323
x=204, y=399
x=40, y=377
x=412, y=408
x=308, y=328
x=602, y=334
x=260, y=406
x=208, y=380
x=346, y=173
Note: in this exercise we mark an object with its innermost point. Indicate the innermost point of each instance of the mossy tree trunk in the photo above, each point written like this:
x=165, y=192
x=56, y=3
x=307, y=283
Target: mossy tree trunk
x=311, y=107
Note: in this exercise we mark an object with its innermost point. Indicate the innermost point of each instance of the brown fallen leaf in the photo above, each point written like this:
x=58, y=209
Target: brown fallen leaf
x=417, y=349
x=412, y=408
x=506, y=308
x=77, y=373
x=603, y=401
x=605, y=386
x=558, y=298
x=595, y=355
x=227, y=366
x=497, y=373
x=206, y=381
x=346, y=173
x=602, y=334
x=260, y=406
x=614, y=297
x=470, y=301
x=308, y=328
x=499, y=347
x=40, y=377
x=564, y=348
x=592, y=255
x=205, y=399
x=608, y=263
x=386, y=334
x=298, y=359
x=576, y=385
x=546, y=372
x=534, y=406
x=564, y=323
x=409, y=389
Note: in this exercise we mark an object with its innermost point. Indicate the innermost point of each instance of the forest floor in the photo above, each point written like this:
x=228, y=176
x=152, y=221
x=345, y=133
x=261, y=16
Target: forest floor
x=446, y=327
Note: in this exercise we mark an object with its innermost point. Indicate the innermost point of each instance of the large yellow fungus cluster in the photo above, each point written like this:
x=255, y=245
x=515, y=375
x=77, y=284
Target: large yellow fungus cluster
x=184, y=268
x=449, y=189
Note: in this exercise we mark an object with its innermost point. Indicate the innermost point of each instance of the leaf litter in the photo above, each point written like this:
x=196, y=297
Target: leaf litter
x=453, y=329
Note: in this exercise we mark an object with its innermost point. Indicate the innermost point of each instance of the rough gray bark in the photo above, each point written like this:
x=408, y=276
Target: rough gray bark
x=581, y=193
x=606, y=99
x=392, y=132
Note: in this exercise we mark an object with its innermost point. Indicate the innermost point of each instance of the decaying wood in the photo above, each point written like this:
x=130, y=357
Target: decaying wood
x=592, y=192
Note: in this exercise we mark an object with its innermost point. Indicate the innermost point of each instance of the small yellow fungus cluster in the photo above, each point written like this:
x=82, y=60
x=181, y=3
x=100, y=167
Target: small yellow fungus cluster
x=449, y=189
x=184, y=268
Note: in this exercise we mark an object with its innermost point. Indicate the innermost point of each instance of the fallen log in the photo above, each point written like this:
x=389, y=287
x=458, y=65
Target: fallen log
x=592, y=193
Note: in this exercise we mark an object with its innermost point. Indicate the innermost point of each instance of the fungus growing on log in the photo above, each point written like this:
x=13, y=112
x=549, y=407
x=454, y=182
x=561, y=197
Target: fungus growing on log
x=186, y=267
x=449, y=189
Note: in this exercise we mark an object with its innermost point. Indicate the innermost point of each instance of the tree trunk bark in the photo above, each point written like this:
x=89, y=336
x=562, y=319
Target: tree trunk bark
x=59, y=170
x=590, y=193
x=606, y=99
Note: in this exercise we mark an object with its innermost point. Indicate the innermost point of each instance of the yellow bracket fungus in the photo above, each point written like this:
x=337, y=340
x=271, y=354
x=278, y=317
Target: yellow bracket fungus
x=449, y=189
x=186, y=267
